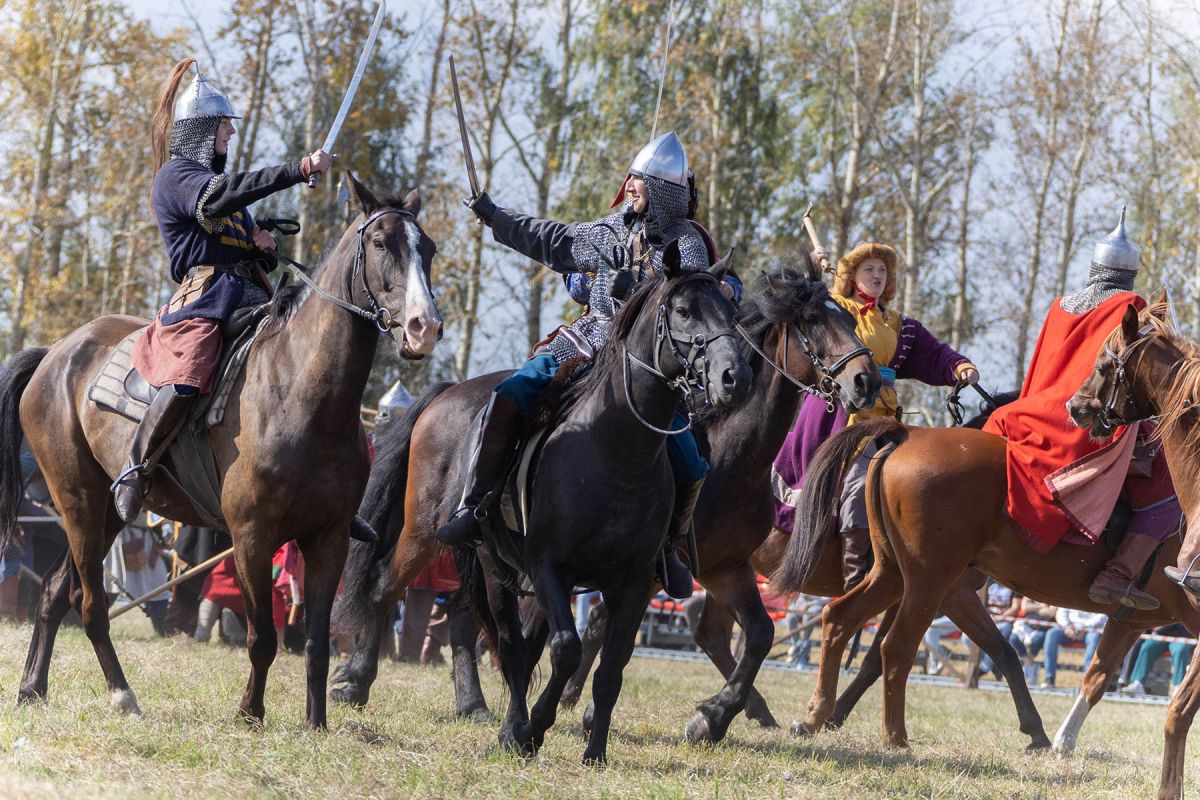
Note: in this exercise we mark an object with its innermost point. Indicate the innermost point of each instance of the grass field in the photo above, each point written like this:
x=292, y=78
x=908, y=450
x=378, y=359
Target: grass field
x=188, y=743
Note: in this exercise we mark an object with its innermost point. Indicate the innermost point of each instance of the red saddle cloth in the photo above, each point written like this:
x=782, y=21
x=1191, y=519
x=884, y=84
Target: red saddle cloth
x=1042, y=440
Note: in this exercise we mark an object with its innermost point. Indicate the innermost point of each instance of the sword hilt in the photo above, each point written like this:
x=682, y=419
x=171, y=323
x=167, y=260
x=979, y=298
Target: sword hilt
x=312, y=180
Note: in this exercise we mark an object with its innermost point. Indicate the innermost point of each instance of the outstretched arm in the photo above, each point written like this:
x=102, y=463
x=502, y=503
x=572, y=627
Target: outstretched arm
x=543, y=240
x=228, y=193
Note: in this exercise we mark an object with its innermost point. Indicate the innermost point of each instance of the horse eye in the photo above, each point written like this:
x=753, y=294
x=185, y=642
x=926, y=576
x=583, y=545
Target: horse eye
x=378, y=242
x=680, y=311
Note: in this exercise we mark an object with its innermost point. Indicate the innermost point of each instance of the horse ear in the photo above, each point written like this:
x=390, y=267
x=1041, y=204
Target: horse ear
x=361, y=199
x=722, y=267
x=672, y=260
x=412, y=202
x=1129, y=323
x=1162, y=298
x=811, y=270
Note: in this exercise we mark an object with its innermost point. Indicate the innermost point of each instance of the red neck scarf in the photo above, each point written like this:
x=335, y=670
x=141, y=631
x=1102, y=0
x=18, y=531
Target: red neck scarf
x=868, y=302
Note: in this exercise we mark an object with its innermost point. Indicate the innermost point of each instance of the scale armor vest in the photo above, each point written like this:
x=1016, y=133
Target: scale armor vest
x=1114, y=269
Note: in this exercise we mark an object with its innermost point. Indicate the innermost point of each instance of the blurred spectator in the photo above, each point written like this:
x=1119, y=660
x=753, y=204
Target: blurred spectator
x=1072, y=626
x=1001, y=602
x=1181, y=656
x=804, y=610
x=133, y=567
x=1027, y=636
x=937, y=657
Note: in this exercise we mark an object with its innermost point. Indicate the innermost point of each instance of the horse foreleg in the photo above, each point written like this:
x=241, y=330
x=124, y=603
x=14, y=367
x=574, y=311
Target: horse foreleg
x=253, y=558
x=464, y=638
x=323, y=560
x=1179, y=720
x=839, y=620
x=593, y=637
x=554, y=598
x=713, y=635
x=868, y=672
x=626, y=607
x=60, y=582
x=1110, y=653
x=964, y=608
x=737, y=590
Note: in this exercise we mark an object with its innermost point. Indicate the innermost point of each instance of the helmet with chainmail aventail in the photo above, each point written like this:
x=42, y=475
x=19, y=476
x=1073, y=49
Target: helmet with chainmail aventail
x=1117, y=251
x=198, y=112
x=662, y=164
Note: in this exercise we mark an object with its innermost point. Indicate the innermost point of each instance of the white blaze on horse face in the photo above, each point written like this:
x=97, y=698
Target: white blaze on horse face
x=421, y=320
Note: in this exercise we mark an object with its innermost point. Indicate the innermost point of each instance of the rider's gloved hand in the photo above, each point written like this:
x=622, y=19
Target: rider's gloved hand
x=622, y=284
x=968, y=374
x=483, y=207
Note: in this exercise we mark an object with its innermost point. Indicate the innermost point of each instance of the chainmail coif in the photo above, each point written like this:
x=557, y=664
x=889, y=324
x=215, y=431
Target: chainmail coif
x=195, y=138
x=1103, y=282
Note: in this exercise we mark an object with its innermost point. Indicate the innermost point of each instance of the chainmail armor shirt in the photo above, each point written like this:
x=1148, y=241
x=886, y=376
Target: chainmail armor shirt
x=1103, y=282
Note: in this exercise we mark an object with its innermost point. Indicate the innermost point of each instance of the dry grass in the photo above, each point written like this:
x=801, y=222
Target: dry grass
x=965, y=744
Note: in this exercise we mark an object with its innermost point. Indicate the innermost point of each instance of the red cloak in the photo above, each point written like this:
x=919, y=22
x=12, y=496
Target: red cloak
x=1041, y=437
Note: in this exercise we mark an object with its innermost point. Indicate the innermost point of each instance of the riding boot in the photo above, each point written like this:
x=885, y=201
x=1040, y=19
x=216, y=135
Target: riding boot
x=499, y=431
x=163, y=419
x=856, y=556
x=1116, y=583
x=674, y=575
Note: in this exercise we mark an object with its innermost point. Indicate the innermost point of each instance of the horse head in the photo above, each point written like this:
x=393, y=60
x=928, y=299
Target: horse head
x=392, y=267
x=693, y=343
x=816, y=348
x=1121, y=389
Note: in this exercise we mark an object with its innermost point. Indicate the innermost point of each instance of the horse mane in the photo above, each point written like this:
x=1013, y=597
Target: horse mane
x=290, y=295
x=1181, y=397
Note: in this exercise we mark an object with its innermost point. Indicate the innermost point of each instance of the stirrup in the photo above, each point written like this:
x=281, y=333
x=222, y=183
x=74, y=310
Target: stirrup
x=140, y=468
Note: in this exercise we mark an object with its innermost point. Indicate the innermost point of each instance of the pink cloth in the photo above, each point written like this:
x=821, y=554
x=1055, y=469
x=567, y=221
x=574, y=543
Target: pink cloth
x=186, y=353
x=1087, y=489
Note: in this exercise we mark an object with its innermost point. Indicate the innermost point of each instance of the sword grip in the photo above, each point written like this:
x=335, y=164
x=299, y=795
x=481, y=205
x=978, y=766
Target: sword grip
x=312, y=180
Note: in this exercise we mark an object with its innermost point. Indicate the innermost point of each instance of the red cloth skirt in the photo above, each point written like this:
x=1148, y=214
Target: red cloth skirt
x=221, y=587
x=186, y=353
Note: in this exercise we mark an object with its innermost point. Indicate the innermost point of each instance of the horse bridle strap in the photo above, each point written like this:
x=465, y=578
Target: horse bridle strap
x=377, y=314
x=825, y=389
x=1108, y=412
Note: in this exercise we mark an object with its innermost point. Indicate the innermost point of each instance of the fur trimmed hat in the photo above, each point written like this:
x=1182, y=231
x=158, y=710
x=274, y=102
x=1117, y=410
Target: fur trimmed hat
x=843, y=281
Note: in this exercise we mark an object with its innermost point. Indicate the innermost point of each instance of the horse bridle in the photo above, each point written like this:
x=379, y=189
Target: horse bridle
x=383, y=318
x=1107, y=415
x=826, y=386
x=694, y=362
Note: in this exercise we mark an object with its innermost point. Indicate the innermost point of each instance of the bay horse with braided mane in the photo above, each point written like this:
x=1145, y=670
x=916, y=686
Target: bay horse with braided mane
x=291, y=449
x=936, y=501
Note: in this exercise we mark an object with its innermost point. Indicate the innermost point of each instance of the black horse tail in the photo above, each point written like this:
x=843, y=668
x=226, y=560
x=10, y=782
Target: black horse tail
x=13, y=381
x=472, y=593
x=383, y=509
x=819, y=497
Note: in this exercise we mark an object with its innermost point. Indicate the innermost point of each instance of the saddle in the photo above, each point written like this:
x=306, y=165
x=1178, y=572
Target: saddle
x=189, y=461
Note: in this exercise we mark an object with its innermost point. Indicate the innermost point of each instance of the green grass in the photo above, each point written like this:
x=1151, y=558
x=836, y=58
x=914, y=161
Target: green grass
x=407, y=744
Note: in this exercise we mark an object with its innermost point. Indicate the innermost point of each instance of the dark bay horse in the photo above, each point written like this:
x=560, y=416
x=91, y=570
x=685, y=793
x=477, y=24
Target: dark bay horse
x=598, y=510
x=936, y=504
x=291, y=449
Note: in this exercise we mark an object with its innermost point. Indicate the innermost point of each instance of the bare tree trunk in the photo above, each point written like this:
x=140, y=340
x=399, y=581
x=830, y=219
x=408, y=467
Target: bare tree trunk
x=423, y=154
x=256, y=103
x=959, y=322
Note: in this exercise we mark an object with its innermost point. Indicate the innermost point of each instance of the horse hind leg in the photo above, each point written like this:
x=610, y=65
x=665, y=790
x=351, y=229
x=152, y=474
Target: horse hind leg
x=868, y=673
x=966, y=610
x=464, y=639
x=58, y=586
x=1115, y=642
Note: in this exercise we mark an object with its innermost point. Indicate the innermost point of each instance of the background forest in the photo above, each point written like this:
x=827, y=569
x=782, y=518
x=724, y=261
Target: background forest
x=990, y=142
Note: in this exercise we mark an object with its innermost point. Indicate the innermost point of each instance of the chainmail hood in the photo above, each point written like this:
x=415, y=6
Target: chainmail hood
x=666, y=215
x=195, y=138
x=1103, y=282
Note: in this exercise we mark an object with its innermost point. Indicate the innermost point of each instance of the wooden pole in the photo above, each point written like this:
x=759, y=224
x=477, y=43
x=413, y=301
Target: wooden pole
x=212, y=562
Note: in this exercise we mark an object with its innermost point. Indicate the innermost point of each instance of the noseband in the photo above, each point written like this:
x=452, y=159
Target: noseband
x=383, y=318
x=826, y=386
x=1107, y=416
x=693, y=361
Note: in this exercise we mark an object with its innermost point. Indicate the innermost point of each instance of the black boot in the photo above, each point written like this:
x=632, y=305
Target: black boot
x=673, y=574
x=856, y=556
x=499, y=432
x=162, y=421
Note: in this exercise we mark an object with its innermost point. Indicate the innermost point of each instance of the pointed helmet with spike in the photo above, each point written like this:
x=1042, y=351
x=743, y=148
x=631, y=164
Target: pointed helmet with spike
x=1117, y=251
x=202, y=99
x=663, y=158
x=198, y=112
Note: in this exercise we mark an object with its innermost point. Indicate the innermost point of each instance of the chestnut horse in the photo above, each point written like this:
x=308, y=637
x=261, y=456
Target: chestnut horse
x=290, y=450
x=923, y=545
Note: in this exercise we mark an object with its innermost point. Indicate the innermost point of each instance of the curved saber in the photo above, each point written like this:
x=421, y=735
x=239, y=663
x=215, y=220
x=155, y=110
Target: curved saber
x=472, y=178
x=352, y=89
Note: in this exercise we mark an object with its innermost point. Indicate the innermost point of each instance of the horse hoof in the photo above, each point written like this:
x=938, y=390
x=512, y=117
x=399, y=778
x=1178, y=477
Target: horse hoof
x=599, y=761
x=26, y=699
x=589, y=716
x=480, y=716
x=799, y=729
x=348, y=694
x=1063, y=748
x=125, y=701
x=519, y=741
x=1038, y=745
x=254, y=721
x=696, y=730
x=766, y=722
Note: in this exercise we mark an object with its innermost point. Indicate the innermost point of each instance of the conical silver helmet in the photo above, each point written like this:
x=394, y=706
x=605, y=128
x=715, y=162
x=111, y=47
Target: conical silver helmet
x=663, y=158
x=202, y=99
x=1117, y=251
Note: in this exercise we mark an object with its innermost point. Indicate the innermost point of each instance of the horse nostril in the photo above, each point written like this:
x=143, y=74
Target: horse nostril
x=441, y=331
x=862, y=384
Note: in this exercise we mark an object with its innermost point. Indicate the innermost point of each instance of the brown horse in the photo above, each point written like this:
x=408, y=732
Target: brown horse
x=290, y=450
x=922, y=547
x=725, y=536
